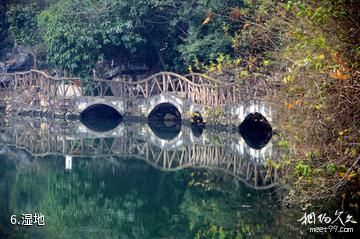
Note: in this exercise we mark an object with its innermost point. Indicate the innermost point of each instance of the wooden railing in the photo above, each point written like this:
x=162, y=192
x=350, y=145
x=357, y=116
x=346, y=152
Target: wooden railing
x=196, y=87
x=61, y=87
x=205, y=92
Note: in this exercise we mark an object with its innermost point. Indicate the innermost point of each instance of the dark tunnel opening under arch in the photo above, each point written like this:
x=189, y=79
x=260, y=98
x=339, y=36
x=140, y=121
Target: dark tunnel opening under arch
x=256, y=130
x=100, y=118
x=165, y=121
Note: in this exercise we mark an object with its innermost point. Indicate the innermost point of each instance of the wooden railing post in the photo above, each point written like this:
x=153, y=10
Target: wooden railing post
x=63, y=88
x=16, y=81
x=164, y=83
x=146, y=89
x=81, y=88
x=101, y=90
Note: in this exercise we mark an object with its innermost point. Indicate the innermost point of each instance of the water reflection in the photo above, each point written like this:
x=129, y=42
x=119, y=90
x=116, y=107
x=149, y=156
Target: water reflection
x=211, y=149
x=197, y=130
x=165, y=121
x=165, y=130
x=112, y=198
x=131, y=183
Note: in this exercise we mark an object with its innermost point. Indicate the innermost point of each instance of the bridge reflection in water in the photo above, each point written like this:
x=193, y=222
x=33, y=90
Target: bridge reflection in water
x=211, y=150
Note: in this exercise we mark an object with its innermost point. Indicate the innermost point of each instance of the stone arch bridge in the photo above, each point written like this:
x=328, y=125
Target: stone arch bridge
x=190, y=93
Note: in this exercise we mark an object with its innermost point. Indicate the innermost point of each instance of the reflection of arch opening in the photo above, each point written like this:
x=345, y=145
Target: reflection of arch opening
x=197, y=130
x=163, y=131
x=165, y=121
x=100, y=117
x=255, y=130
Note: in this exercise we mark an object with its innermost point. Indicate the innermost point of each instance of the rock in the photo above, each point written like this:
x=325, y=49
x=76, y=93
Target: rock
x=106, y=70
x=3, y=67
x=131, y=69
x=112, y=72
x=20, y=60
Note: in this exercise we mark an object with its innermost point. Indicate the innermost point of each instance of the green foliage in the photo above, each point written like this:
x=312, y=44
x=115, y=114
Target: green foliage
x=209, y=217
x=167, y=35
x=22, y=23
x=208, y=29
x=284, y=144
x=204, y=48
x=331, y=168
x=3, y=27
x=303, y=169
x=312, y=155
x=320, y=14
x=214, y=232
x=215, y=115
x=77, y=34
x=321, y=58
x=246, y=33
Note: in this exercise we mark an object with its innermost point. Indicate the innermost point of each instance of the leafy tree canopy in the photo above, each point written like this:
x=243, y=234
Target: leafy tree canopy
x=22, y=23
x=77, y=33
x=173, y=34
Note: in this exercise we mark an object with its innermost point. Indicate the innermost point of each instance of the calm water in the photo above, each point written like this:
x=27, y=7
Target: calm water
x=137, y=181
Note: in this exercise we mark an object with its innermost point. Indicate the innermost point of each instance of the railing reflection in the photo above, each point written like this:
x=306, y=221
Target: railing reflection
x=215, y=150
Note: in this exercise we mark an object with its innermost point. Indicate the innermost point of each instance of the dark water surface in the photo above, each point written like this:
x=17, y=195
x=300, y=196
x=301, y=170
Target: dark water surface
x=137, y=181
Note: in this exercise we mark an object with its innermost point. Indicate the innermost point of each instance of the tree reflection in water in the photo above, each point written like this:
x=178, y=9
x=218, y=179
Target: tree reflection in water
x=117, y=185
x=114, y=197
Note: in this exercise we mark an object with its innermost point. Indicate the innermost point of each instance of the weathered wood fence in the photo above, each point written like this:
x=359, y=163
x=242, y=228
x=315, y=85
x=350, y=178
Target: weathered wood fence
x=198, y=88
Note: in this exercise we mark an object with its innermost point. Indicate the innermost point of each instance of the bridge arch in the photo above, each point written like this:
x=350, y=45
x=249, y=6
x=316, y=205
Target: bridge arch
x=165, y=99
x=240, y=111
x=100, y=117
x=83, y=103
x=259, y=107
x=256, y=130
